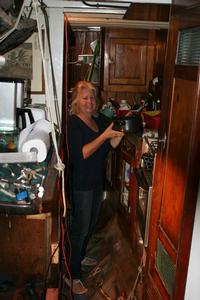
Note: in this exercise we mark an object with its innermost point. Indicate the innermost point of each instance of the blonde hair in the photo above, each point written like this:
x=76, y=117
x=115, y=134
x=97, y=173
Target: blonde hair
x=81, y=85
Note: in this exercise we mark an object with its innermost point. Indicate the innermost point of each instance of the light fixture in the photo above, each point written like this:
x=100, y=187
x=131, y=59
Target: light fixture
x=2, y=61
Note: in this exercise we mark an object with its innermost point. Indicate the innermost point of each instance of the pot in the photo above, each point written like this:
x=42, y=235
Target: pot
x=129, y=124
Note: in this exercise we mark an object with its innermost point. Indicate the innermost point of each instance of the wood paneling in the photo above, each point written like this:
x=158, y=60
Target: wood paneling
x=129, y=60
x=160, y=51
x=79, y=43
x=150, y=12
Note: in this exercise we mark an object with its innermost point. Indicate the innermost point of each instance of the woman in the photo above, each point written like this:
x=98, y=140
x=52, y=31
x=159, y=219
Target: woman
x=88, y=144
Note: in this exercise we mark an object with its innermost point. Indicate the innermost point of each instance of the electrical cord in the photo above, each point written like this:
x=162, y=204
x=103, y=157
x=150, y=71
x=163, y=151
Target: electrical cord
x=103, y=5
x=65, y=260
x=140, y=270
x=64, y=228
x=43, y=296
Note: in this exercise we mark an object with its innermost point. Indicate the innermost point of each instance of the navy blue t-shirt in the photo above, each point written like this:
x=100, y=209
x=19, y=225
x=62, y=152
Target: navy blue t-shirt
x=88, y=173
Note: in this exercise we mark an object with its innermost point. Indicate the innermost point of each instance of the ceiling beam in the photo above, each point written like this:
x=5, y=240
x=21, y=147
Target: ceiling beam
x=106, y=22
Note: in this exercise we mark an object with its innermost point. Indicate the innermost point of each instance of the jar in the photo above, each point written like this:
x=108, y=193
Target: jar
x=124, y=108
x=9, y=141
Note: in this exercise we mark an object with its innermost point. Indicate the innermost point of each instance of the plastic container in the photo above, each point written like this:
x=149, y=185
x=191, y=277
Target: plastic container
x=9, y=141
x=108, y=110
x=124, y=108
x=152, y=119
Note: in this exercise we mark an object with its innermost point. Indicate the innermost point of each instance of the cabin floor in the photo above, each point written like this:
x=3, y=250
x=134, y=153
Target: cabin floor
x=116, y=275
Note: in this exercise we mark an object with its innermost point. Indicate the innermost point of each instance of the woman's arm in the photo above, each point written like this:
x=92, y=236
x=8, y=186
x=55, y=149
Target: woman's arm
x=114, y=136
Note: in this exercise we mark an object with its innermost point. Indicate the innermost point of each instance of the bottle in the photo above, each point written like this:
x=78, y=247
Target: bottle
x=124, y=108
x=158, y=104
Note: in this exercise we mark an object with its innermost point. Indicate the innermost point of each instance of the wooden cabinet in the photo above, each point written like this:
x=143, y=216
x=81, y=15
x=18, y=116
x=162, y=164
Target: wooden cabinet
x=128, y=60
x=30, y=242
x=25, y=245
x=129, y=155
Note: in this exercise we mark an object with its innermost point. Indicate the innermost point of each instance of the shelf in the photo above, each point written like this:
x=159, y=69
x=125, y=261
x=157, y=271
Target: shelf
x=18, y=157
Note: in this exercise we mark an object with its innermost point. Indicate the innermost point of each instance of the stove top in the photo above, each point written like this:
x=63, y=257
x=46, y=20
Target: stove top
x=149, y=149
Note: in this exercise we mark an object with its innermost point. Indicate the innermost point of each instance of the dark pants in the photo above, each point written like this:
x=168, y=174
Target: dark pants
x=86, y=207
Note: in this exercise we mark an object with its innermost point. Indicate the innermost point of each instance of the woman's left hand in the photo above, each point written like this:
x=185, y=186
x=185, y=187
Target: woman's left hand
x=116, y=139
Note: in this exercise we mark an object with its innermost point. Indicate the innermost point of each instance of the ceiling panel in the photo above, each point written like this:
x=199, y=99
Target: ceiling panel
x=103, y=13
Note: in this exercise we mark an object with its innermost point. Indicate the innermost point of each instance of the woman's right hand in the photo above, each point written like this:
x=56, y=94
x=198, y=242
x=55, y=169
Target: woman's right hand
x=109, y=133
x=113, y=135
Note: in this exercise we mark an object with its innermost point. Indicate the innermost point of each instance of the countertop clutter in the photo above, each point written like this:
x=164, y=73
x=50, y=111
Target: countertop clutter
x=143, y=115
x=22, y=187
x=22, y=180
x=28, y=188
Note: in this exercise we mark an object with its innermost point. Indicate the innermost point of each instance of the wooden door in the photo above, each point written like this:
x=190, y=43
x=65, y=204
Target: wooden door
x=176, y=173
x=128, y=60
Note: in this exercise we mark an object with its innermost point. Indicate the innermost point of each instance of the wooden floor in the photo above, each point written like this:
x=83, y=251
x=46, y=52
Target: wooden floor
x=114, y=277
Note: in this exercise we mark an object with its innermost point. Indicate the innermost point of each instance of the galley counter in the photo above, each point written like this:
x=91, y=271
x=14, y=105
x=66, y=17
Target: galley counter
x=30, y=234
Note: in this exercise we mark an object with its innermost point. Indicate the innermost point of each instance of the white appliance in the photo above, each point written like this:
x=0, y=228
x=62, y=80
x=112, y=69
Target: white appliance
x=11, y=96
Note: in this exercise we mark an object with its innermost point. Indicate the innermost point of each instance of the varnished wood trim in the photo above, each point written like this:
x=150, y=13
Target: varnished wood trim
x=185, y=72
x=168, y=245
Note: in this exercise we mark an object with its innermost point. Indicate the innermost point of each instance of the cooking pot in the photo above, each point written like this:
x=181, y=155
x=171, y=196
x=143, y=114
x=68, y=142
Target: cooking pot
x=129, y=124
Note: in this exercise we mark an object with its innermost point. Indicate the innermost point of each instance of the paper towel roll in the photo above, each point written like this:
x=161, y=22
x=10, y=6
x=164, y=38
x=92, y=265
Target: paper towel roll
x=26, y=133
x=35, y=138
x=37, y=141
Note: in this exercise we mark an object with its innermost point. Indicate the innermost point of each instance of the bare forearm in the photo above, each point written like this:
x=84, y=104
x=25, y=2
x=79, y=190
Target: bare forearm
x=114, y=137
x=91, y=147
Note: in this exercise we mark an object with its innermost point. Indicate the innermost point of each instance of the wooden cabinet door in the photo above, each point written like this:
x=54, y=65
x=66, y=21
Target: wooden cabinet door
x=128, y=60
x=176, y=178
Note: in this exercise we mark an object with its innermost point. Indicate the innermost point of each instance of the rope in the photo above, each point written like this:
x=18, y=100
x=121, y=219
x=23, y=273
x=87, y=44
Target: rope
x=59, y=165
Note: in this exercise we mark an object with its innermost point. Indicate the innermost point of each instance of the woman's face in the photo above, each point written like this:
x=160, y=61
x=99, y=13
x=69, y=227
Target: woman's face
x=86, y=102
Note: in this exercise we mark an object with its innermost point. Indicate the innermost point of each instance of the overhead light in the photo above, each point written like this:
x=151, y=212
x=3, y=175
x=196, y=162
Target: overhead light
x=94, y=28
x=96, y=10
x=2, y=61
x=93, y=15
